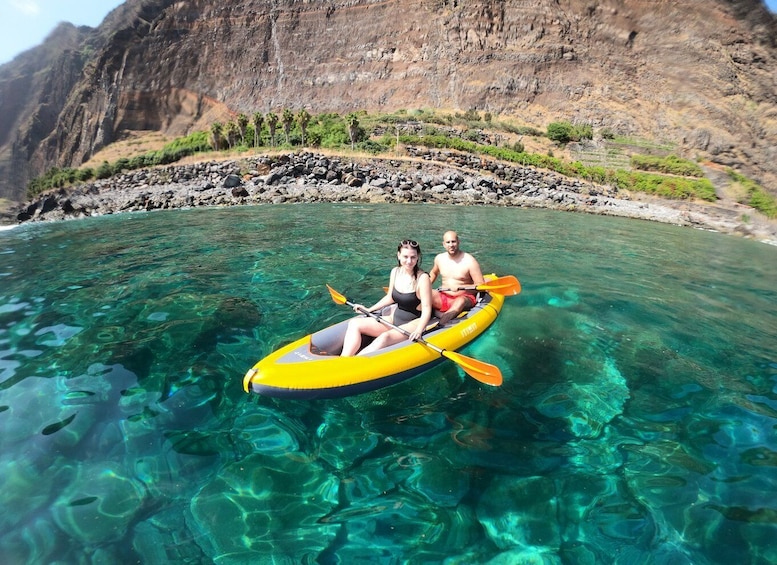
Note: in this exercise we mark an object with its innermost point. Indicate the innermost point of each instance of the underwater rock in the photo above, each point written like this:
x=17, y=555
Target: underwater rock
x=98, y=505
x=600, y=455
x=163, y=538
x=341, y=446
x=587, y=407
x=526, y=556
x=378, y=523
x=23, y=489
x=263, y=431
x=34, y=542
x=514, y=512
x=595, y=510
x=233, y=316
x=30, y=411
x=373, y=478
x=568, y=299
x=437, y=480
x=52, y=414
x=265, y=506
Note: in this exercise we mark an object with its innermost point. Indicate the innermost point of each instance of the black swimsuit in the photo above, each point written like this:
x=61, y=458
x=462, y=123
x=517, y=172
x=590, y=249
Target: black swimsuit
x=407, y=307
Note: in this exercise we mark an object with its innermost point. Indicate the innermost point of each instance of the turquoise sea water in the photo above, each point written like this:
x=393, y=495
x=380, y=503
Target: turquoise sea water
x=636, y=423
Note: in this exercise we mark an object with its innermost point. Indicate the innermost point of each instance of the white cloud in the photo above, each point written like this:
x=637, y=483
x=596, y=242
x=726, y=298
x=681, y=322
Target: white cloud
x=26, y=7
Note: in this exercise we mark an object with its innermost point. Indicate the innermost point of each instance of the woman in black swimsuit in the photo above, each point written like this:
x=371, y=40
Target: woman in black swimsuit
x=411, y=290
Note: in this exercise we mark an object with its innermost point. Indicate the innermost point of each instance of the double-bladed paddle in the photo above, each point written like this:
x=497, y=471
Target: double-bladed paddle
x=483, y=372
x=506, y=286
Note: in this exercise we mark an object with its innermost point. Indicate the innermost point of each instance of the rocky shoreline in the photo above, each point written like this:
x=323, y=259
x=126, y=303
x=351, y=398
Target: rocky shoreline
x=434, y=176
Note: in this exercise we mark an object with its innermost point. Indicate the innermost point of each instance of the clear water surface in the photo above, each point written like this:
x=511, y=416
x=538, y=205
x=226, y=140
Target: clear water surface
x=636, y=423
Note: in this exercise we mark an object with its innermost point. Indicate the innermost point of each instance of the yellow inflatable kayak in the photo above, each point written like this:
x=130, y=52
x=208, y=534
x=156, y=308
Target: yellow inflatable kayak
x=312, y=368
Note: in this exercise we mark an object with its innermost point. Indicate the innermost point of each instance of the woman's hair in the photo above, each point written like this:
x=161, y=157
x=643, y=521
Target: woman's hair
x=411, y=244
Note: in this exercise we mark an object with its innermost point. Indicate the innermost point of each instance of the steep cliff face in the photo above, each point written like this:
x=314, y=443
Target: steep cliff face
x=33, y=91
x=702, y=74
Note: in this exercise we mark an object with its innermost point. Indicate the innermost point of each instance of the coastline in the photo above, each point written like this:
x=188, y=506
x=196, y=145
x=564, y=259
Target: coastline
x=434, y=176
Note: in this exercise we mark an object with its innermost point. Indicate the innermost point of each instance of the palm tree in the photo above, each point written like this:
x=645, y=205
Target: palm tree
x=242, y=125
x=303, y=119
x=272, y=123
x=258, y=119
x=353, y=128
x=232, y=132
x=216, y=133
x=287, y=120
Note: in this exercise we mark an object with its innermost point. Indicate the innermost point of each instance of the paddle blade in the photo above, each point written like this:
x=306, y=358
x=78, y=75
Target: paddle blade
x=506, y=286
x=336, y=296
x=478, y=370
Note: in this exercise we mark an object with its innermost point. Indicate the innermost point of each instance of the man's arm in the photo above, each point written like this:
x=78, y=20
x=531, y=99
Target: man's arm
x=475, y=272
x=434, y=272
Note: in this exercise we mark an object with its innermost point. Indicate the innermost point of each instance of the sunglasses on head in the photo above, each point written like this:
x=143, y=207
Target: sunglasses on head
x=410, y=242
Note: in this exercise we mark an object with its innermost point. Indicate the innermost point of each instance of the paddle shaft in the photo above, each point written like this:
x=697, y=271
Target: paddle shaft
x=384, y=321
x=483, y=372
x=506, y=286
x=502, y=284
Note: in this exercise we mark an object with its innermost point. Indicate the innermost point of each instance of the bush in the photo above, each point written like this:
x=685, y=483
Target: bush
x=372, y=147
x=192, y=143
x=521, y=130
x=137, y=162
x=470, y=115
x=120, y=165
x=313, y=138
x=85, y=174
x=763, y=202
x=582, y=131
x=330, y=131
x=678, y=188
x=564, y=132
x=671, y=165
x=104, y=171
x=472, y=135
x=755, y=196
x=560, y=132
x=57, y=178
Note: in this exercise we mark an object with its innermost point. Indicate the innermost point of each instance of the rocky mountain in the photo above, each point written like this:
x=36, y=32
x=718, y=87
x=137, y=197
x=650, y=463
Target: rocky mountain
x=698, y=73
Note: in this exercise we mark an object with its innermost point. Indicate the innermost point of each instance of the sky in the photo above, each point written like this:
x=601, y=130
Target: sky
x=26, y=23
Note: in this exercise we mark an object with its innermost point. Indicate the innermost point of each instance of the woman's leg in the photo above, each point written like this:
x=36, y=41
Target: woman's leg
x=389, y=338
x=383, y=340
x=356, y=328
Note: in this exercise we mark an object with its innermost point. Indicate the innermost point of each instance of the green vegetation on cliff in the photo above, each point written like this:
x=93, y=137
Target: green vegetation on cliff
x=670, y=165
x=755, y=196
x=668, y=176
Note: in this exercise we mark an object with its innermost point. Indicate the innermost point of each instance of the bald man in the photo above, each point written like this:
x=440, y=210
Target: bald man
x=457, y=269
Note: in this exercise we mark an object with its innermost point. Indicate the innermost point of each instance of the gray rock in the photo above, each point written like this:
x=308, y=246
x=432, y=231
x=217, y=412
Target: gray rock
x=232, y=181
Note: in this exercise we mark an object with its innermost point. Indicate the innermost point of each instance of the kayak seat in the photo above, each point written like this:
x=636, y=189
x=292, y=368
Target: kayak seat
x=329, y=341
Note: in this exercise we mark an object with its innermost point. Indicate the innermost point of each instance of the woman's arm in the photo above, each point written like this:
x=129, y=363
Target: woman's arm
x=424, y=294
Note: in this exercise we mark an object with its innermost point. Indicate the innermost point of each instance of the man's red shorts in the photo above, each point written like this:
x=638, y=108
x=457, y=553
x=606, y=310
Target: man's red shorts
x=447, y=300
